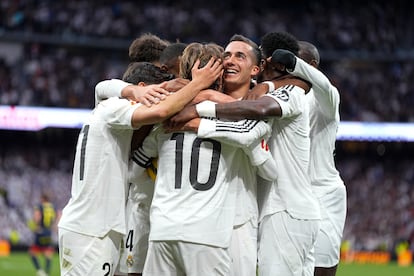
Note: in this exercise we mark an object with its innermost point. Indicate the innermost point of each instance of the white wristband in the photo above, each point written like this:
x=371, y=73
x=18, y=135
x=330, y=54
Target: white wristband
x=271, y=85
x=206, y=109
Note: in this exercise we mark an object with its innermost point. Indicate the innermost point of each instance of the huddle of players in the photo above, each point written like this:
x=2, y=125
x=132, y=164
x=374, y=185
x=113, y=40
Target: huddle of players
x=212, y=176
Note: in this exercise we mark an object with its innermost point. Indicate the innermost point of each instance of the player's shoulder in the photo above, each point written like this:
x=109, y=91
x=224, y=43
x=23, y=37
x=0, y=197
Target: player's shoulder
x=286, y=92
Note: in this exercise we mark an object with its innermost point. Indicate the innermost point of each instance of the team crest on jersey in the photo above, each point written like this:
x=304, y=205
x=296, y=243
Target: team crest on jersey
x=66, y=264
x=281, y=94
x=130, y=261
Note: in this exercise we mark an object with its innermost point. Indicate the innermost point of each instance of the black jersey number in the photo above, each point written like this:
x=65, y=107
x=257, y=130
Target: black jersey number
x=195, y=162
x=129, y=240
x=84, y=131
x=106, y=267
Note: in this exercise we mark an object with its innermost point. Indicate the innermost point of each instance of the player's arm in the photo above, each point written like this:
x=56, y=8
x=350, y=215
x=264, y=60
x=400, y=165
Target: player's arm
x=147, y=95
x=262, y=108
x=284, y=102
x=37, y=216
x=148, y=150
x=202, y=78
x=250, y=135
x=324, y=91
x=260, y=157
x=212, y=95
x=259, y=90
x=239, y=133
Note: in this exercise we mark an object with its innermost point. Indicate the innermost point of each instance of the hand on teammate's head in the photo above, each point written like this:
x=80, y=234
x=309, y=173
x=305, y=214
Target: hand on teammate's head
x=209, y=73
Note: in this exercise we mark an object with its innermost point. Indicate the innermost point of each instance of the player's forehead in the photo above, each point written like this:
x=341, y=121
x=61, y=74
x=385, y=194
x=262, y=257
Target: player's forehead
x=238, y=47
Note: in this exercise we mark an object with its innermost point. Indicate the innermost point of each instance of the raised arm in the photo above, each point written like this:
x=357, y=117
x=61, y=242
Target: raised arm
x=147, y=95
x=325, y=93
x=202, y=78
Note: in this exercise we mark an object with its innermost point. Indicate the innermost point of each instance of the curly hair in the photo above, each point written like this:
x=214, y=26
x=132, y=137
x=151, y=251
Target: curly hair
x=278, y=40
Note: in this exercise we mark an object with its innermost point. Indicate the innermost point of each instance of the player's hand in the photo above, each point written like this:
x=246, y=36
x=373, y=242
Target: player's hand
x=284, y=57
x=208, y=74
x=146, y=95
x=191, y=125
x=174, y=85
x=212, y=95
x=256, y=92
x=186, y=114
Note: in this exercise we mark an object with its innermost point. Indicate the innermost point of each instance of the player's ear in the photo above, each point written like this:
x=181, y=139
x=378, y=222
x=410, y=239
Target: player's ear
x=141, y=83
x=164, y=68
x=314, y=63
x=255, y=70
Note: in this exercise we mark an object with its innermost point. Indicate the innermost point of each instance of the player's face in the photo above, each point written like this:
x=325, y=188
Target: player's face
x=238, y=63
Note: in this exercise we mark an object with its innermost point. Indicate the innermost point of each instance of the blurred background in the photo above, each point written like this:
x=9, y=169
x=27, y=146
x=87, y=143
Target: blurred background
x=53, y=53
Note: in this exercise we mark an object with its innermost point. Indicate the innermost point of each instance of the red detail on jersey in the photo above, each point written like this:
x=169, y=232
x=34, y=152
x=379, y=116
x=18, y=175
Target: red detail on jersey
x=265, y=146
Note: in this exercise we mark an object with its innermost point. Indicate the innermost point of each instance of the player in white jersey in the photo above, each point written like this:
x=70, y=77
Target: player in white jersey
x=241, y=62
x=290, y=214
x=135, y=243
x=192, y=210
x=194, y=201
x=93, y=221
x=327, y=184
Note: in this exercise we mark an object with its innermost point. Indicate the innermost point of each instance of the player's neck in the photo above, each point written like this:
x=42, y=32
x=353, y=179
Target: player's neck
x=237, y=92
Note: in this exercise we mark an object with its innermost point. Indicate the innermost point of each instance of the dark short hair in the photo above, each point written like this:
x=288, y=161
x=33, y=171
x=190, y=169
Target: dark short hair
x=147, y=47
x=172, y=51
x=278, y=40
x=145, y=72
x=308, y=52
x=256, y=50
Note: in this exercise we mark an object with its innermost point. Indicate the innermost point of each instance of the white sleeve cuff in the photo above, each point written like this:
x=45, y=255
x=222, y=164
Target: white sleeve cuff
x=271, y=86
x=206, y=109
x=109, y=88
x=206, y=126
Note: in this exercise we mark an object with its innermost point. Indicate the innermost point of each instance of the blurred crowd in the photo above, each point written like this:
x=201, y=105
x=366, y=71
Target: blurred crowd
x=24, y=175
x=380, y=202
x=366, y=47
x=375, y=25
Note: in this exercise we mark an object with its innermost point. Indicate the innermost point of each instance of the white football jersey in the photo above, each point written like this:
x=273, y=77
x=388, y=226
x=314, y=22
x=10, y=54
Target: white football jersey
x=324, y=118
x=245, y=170
x=290, y=146
x=141, y=187
x=99, y=181
x=194, y=198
